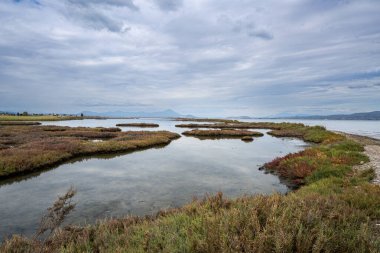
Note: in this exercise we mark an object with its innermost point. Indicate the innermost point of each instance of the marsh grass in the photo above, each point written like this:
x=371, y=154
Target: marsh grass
x=318, y=162
x=335, y=210
x=247, y=138
x=137, y=125
x=225, y=133
x=24, y=149
x=304, y=222
x=241, y=125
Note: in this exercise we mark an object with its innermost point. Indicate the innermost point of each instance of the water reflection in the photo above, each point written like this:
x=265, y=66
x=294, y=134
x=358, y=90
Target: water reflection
x=146, y=181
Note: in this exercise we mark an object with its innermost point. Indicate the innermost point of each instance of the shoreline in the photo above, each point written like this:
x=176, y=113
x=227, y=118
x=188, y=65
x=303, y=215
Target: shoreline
x=372, y=150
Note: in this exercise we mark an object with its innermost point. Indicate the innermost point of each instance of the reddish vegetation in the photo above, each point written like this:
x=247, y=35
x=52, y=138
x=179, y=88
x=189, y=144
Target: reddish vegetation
x=27, y=148
x=297, y=167
x=221, y=133
x=293, y=166
x=138, y=125
x=233, y=125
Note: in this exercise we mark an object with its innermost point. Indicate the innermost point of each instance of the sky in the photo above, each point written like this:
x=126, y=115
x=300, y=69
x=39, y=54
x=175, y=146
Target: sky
x=201, y=57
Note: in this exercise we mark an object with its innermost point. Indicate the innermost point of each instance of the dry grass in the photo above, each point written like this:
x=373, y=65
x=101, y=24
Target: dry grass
x=305, y=222
x=225, y=133
x=56, y=214
x=27, y=148
x=138, y=125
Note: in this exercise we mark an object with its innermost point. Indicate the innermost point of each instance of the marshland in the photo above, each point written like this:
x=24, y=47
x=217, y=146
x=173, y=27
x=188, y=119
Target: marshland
x=293, y=184
x=137, y=125
x=189, y=126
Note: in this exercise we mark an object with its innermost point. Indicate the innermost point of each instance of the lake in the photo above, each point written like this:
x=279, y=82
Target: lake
x=370, y=128
x=146, y=181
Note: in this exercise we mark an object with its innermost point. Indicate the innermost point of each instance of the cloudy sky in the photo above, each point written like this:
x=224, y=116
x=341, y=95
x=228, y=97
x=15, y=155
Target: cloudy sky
x=206, y=58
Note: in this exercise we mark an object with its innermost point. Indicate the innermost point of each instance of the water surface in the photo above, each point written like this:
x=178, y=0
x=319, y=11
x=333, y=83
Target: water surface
x=146, y=181
x=370, y=128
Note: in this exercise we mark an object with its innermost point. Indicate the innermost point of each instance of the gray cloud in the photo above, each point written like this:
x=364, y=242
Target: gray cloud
x=208, y=58
x=118, y=3
x=364, y=86
x=169, y=5
x=248, y=27
x=97, y=14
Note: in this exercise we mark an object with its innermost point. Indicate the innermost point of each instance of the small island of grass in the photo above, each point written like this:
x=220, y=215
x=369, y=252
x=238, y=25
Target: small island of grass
x=225, y=133
x=247, y=138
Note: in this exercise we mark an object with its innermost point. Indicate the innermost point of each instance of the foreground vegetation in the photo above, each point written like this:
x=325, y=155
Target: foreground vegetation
x=335, y=210
x=27, y=148
x=138, y=125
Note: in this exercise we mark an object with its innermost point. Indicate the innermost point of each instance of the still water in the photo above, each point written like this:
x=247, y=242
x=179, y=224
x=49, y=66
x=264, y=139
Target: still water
x=143, y=182
x=370, y=128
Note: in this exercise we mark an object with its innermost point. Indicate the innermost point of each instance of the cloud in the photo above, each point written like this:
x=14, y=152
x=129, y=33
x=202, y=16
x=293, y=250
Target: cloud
x=117, y=3
x=247, y=26
x=98, y=14
x=169, y=5
x=30, y=1
x=207, y=58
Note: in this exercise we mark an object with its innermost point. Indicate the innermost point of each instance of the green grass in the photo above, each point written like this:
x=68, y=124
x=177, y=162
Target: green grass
x=336, y=209
x=306, y=221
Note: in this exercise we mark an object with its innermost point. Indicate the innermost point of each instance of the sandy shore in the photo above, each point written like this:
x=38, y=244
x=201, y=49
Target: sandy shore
x=372, y=150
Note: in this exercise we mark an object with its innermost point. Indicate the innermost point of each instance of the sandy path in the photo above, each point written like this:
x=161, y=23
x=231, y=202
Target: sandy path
x=372, y=150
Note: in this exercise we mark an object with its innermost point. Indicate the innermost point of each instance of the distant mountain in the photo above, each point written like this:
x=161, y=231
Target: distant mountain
x=285, y=115
x=375, y=115
x=121, y=114
x=240, y=117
